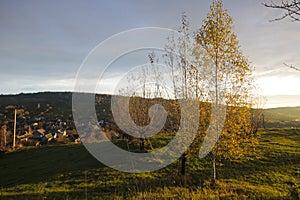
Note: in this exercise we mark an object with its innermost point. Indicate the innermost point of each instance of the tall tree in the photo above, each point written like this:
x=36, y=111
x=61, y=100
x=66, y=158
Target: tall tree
x=291, y=9
x=141, y=90
x=179, y=56
x=228, y=82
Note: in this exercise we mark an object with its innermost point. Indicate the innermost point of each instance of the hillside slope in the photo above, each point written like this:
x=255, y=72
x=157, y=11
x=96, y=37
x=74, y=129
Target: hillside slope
x=282, y=117
x=61, y=102
x=70, y=172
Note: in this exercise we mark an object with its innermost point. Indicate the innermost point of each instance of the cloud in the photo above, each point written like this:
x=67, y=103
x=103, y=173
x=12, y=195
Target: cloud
x=274, y=85
x=275, y=101
x=44, y=42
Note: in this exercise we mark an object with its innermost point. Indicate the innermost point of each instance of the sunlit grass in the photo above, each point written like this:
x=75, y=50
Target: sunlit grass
x=70, y=172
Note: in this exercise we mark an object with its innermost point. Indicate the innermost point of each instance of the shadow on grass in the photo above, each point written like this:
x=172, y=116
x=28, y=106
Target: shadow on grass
x=69, y=171
x=33, y=165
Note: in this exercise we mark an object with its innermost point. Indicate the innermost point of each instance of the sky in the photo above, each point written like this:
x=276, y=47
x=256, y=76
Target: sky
x=44, y=43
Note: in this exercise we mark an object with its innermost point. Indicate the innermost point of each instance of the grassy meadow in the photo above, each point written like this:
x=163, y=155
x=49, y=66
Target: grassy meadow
x=70, y=172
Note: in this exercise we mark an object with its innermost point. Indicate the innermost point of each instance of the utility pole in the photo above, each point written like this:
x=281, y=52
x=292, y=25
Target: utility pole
x=15, y=129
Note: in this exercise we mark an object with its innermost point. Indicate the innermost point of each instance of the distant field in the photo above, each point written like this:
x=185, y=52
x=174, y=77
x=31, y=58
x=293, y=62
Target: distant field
x=70, y=172
x=282, y=117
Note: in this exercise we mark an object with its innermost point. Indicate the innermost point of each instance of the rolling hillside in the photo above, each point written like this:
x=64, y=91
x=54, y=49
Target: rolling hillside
x=70, y=172
x=282, y=117
x=62, y=105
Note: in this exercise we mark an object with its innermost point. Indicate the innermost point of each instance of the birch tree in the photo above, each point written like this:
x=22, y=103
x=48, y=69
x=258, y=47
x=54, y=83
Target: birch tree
x=179, y=56
x=228, y=80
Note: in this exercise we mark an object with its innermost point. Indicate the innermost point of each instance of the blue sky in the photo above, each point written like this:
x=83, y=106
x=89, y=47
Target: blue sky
x=43, y=43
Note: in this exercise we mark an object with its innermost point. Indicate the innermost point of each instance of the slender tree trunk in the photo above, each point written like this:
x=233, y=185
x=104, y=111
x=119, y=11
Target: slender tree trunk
x=183, y=162
x=142, y=143
x=15, y=129
x=213, y=170
x=182, y=170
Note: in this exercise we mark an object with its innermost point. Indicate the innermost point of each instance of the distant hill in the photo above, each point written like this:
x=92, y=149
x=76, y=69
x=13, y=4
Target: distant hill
x=283, y=114
x=282, y=117
x=37, y=102
x=61, y=102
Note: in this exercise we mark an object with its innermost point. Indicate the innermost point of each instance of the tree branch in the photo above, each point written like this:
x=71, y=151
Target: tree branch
x=291, y=8
x=292, y=67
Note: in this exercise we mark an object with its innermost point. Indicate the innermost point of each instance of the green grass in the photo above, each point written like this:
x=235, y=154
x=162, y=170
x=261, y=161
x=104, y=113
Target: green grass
x=70, y=172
